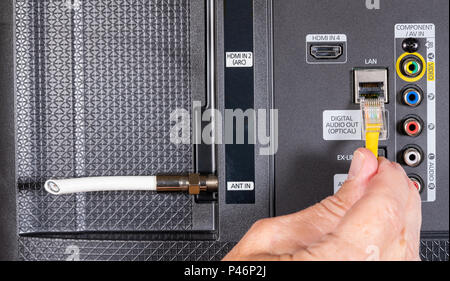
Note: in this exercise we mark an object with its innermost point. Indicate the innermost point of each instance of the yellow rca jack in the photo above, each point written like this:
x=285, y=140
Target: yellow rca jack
x=411, y=67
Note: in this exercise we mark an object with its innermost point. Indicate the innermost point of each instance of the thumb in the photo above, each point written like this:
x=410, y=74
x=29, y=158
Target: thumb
x=327, y=214
x=275, y=236
x=322, y=218
x=364, y=166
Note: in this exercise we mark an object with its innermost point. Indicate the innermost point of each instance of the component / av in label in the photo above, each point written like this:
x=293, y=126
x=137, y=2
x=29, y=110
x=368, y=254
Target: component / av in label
x=342, y=125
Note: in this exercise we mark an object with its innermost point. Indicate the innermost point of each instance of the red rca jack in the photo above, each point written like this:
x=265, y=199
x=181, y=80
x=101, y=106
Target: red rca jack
x=412, y=126
x=417, y=181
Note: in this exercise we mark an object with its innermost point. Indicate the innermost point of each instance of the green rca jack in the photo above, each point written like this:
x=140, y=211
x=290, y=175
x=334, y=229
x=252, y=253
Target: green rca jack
x=411, y=67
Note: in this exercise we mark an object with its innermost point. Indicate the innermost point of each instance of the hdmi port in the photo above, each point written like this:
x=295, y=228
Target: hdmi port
x=326, y=51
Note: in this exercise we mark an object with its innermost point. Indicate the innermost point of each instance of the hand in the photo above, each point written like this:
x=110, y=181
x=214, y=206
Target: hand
x=376, y=215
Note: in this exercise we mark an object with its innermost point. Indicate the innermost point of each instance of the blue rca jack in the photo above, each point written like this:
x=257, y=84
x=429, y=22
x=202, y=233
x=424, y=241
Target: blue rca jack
x=412, y=96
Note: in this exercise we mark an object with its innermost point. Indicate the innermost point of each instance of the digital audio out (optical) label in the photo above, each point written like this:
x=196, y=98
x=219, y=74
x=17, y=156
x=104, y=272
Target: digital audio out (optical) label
x=342, y=125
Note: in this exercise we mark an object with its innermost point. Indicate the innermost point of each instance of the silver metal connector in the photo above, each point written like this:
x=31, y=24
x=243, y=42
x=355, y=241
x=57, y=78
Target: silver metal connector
x=412, y=157
x=193, y=183
x=370, y=83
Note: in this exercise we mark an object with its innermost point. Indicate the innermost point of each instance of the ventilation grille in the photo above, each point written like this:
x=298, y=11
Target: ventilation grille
x=96, y=82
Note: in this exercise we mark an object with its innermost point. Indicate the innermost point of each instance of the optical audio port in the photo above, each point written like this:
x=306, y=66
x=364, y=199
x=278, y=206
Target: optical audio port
x=412, y=96
x=412, y=156
x=412, y=126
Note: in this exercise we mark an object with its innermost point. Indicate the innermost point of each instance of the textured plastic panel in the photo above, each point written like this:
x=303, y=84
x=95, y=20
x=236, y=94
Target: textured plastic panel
x=434, y=250
x=34, y=249
x=96, y=82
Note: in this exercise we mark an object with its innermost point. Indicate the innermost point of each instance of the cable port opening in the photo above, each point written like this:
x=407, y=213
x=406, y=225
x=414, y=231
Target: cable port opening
x=410, y=45
x=412, y=156
x=412, y=126
x=412, y=96
x=417, y=181
x=328, y=51
x=411, y=67
x=371, y=89
x=370, y=83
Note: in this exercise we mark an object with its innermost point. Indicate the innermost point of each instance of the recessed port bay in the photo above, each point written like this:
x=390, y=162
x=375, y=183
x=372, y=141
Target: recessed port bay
x=370, y=83
x=326, y=52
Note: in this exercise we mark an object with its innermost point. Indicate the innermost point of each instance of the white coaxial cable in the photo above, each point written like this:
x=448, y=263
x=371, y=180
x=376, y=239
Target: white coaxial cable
x=192, y=183
x=93, y=184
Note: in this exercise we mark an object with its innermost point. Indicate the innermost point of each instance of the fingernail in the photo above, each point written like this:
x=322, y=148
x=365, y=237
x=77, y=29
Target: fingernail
x=357, y=164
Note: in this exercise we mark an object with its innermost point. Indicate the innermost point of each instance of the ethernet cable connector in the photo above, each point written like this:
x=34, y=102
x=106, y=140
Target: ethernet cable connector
x=374, y=122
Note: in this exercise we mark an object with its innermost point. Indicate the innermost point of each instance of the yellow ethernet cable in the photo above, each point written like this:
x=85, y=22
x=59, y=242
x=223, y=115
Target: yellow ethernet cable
x=374, y=122
x=372, y=142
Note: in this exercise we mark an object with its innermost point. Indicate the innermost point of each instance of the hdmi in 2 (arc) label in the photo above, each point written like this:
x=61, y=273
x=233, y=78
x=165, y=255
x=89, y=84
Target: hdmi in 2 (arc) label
x=239, y=59
x=342, y=125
